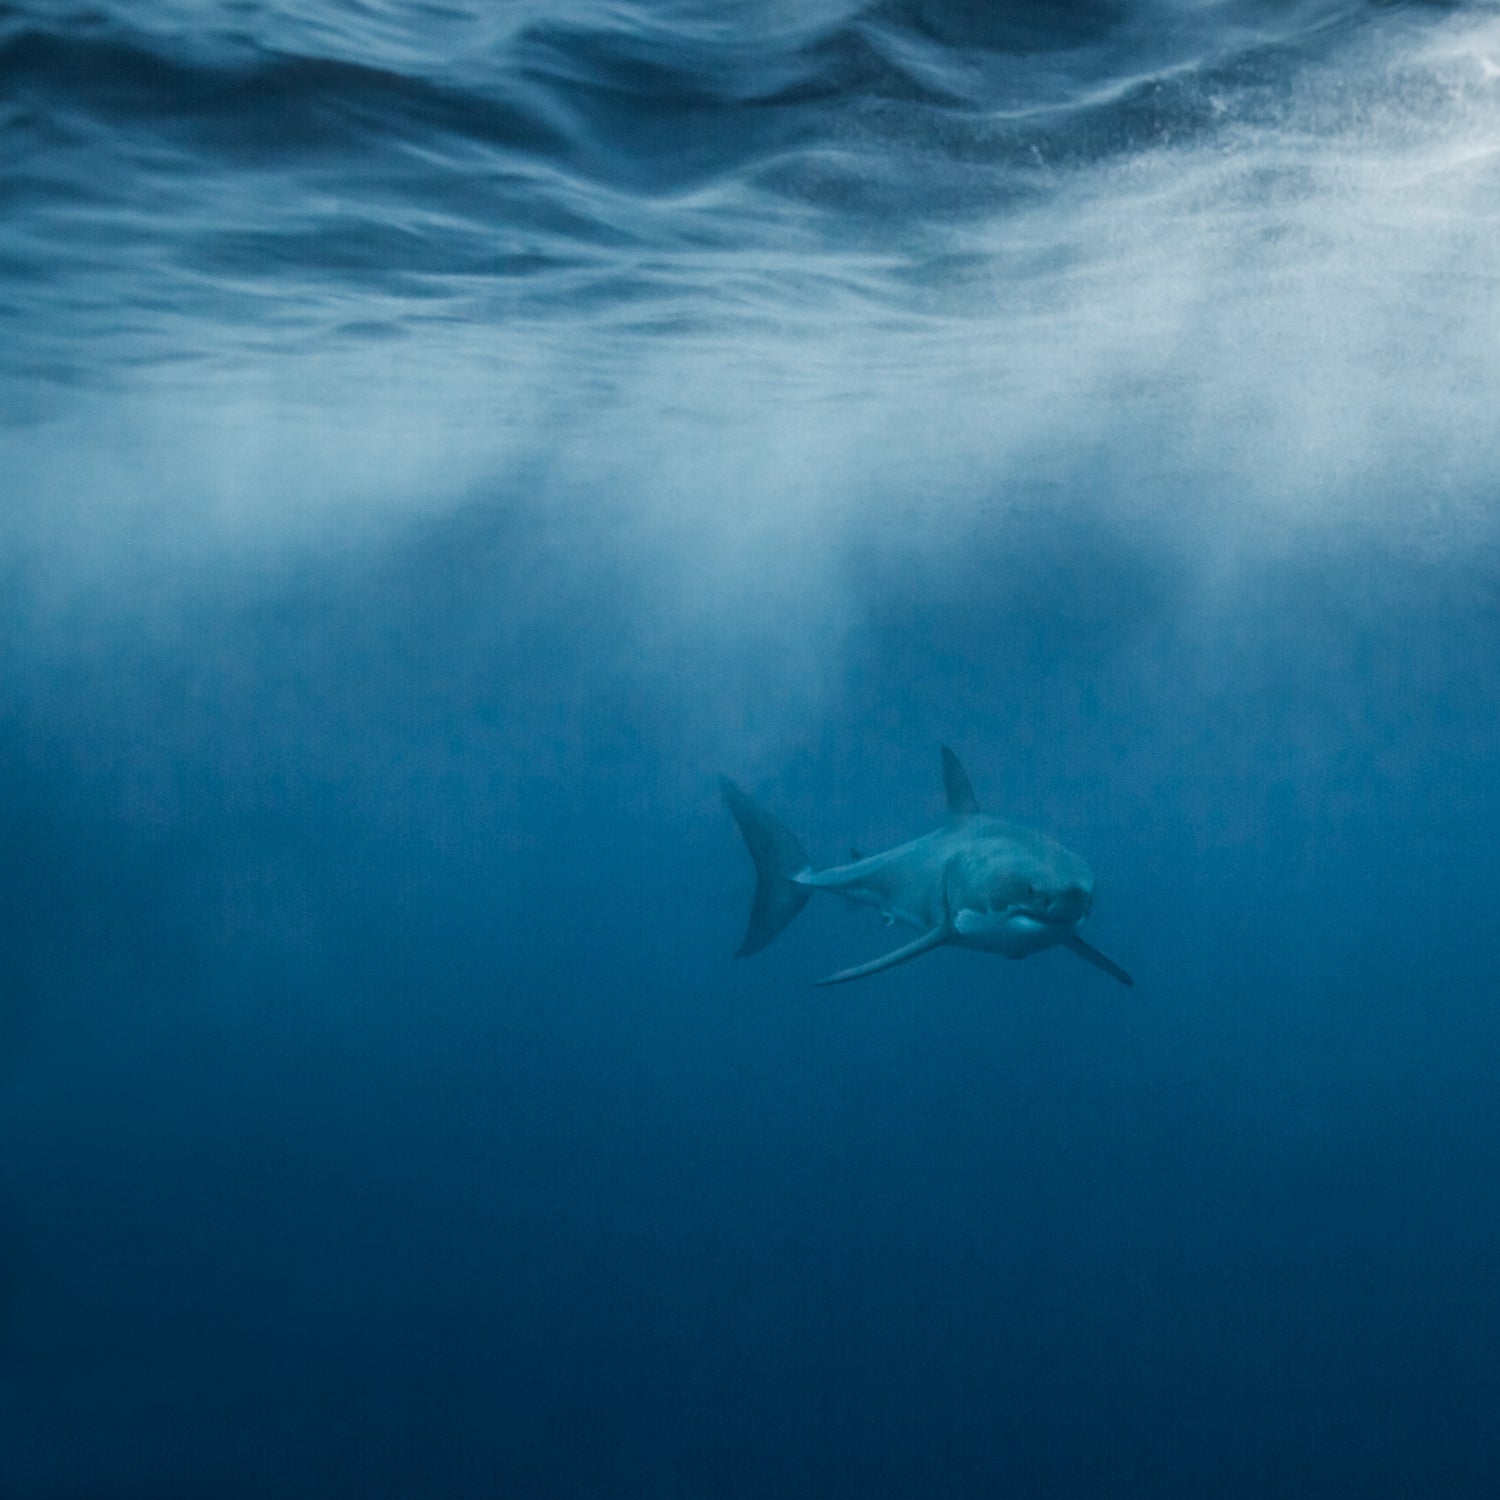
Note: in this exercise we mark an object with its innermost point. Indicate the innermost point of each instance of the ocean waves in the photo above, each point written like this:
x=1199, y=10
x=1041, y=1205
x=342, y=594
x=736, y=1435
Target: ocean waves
x=336, y=172
x=1221, y=271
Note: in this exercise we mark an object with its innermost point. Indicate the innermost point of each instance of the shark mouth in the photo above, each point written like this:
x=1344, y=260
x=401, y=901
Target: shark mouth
x=1043, y=919
x=1017, y=919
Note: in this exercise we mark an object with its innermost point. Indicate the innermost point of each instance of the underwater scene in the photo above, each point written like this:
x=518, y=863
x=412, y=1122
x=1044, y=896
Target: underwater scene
x=990, y=510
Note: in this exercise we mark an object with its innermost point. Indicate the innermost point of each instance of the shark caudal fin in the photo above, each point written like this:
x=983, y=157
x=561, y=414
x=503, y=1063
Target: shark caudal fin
x=778, y=857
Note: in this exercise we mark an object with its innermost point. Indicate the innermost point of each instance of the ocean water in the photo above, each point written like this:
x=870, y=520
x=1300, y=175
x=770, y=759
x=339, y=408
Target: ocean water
x=436, y=439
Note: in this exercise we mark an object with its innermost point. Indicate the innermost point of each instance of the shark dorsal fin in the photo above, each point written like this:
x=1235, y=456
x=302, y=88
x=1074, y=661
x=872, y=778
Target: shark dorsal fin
x=961, y=801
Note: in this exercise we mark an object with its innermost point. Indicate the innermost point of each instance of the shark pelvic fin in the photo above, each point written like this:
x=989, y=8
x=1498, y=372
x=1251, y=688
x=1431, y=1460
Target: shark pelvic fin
x=914, y=949
x=961, y=800
x=1089, y=954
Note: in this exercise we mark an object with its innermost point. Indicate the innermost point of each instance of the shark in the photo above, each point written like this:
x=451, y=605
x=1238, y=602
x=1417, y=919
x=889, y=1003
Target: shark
x=975, y=882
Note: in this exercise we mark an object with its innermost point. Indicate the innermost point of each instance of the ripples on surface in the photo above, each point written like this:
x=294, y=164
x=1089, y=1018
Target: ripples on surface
x=336, y=172
x=279, y=262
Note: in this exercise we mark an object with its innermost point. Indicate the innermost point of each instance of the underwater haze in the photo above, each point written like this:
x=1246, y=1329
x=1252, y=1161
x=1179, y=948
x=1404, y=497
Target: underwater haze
x=438, y=439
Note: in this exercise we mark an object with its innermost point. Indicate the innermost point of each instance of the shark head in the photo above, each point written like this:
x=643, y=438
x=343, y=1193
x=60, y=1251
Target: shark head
x=1017, y=893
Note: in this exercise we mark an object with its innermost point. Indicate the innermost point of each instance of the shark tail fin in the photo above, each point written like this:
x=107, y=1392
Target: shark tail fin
x=779, y=859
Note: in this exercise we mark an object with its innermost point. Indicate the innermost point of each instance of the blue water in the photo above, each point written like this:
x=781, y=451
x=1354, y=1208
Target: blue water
x=439, y=438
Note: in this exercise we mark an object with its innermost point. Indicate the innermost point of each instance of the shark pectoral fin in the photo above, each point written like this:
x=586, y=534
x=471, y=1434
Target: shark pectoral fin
x=914, y=949
x=1090, y=954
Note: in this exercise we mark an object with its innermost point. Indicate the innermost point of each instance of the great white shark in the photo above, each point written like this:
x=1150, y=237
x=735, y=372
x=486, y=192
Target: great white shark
x=976, y=882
